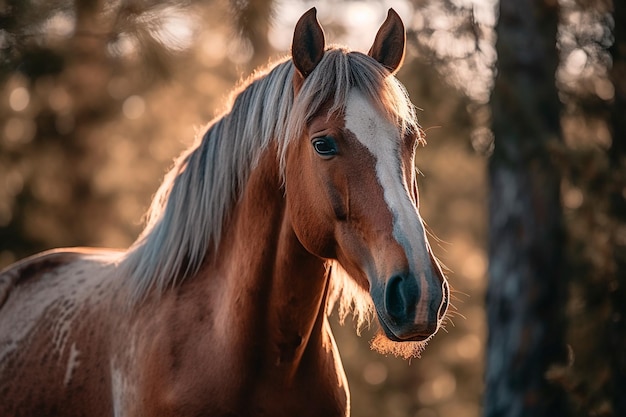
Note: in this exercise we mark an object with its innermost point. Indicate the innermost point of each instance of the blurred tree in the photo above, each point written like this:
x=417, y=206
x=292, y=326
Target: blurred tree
x=253, y=18
x=67, y=68
x=617, y=158
x=595, y=203
x=54, y=63
x=527, y=286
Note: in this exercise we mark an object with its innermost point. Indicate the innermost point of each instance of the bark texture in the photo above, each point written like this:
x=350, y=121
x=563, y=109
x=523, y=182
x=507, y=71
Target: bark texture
x=526, y=289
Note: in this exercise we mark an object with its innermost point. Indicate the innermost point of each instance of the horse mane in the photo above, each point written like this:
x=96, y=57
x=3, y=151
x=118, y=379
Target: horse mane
x=190, y=209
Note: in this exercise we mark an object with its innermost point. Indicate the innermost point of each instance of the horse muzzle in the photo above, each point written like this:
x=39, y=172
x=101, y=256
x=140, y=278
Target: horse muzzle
x=410, y=308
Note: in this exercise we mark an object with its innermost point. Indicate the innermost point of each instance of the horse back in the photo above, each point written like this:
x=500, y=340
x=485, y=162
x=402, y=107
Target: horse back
x=55, y=320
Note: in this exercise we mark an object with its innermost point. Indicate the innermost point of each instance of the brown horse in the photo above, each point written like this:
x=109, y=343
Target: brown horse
x=303, y=194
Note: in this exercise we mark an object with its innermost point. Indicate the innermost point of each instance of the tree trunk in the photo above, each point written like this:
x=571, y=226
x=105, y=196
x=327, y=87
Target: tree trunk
x=617, y=207
x=527, y=287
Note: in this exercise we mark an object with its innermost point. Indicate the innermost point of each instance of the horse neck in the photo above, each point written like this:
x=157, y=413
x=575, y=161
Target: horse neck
x=277, y=288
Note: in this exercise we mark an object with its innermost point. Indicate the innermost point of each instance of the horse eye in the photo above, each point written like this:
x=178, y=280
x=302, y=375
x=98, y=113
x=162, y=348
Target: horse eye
x=325, y=146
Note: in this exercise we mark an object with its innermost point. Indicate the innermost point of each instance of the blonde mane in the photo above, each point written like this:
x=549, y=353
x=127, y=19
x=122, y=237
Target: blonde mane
x=190, y=210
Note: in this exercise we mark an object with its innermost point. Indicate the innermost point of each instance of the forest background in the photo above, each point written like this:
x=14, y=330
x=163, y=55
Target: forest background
x=523, y=180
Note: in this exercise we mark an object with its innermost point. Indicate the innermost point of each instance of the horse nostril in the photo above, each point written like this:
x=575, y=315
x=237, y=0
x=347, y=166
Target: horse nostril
x=401, y=295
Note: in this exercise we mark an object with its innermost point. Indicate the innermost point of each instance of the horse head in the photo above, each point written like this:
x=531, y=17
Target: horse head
x=350, y=177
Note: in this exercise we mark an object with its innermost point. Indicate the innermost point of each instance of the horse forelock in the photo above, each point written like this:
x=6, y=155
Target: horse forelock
x=187, y=216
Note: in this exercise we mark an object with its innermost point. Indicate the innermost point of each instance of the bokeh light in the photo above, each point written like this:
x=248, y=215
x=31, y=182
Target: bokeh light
x=19, y=99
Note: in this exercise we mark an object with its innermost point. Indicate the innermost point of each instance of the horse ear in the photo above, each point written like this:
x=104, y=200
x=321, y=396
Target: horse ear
x=388, y=47
x=307, y=48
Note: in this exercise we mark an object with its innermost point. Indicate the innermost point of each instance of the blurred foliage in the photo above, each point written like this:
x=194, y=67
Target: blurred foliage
x=592, y=81
x=97, y=98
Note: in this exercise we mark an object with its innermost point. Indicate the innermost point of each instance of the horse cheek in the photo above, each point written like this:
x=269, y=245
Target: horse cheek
x=317, y=240
x=309, y=212
x=313, y=229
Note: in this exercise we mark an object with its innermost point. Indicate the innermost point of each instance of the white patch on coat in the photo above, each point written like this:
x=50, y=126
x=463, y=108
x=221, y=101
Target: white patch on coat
x=62, y=329
x=72, y=364
x=124, y=378
x=29, y=313
x=117, y=392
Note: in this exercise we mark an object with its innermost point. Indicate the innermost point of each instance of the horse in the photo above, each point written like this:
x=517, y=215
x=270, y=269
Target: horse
x=300, y=197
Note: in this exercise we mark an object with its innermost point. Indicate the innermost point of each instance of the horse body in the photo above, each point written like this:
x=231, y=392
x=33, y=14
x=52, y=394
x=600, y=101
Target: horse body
x=220, y=307
x=215, y=329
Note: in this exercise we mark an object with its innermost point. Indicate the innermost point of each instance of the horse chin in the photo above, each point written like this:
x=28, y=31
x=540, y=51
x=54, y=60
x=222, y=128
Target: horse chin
x=382, y=344
x=387, y=342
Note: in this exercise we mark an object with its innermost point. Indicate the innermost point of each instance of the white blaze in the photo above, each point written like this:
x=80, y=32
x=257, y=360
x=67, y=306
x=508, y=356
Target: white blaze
x=382, y=139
